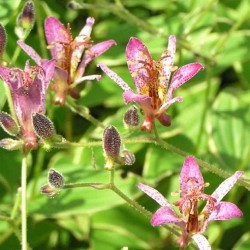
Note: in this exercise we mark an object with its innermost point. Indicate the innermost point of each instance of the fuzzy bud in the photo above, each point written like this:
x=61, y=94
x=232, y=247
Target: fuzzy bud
x=10, y=144
x=43, y=127
x=55, y=179
x=111, y=142
x=3, y=40
x=25, y=20
x=111, y=146
x=131, y=117
x=129, y=157
x=8, y=124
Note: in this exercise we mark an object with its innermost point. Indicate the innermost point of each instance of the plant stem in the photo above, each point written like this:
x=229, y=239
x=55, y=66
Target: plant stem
x=24, y=202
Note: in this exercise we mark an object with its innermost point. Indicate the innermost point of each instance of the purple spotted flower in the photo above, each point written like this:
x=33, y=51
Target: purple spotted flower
x=72, y=55
x=192, y=222
x=28, y=89
x=152, y=80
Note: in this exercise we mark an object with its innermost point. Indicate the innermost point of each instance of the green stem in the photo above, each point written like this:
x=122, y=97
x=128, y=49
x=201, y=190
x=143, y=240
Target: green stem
x=40, y=32
x=24, y=202
x=95, y=185
x=16, y=205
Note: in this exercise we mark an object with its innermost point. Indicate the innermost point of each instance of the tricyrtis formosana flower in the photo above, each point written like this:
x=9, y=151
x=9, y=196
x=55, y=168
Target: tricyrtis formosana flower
x=152, y=80
x=192, y=222
x=72, y=55
x=28, y=90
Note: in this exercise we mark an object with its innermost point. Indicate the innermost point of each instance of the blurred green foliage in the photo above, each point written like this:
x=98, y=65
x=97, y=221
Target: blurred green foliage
x=211, y=123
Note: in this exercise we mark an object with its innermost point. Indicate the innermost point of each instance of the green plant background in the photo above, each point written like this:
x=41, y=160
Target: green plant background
x=212, y=123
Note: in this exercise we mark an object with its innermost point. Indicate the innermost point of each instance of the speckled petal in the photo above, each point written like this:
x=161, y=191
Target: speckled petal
x=182, y=75
x=93, y=52
x=226, y=186
x=225, y=211
x=189, y=170
x=154, y=194
x=30, y=51
x=139, y=62
x=201, y=242
x=165, y=215
x=167, y=61
x=114, y=76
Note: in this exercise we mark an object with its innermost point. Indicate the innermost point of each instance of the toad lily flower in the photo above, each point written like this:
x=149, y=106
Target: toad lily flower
x=193, y=223
x=152, y=80
x=72, y=56
x=28, y=89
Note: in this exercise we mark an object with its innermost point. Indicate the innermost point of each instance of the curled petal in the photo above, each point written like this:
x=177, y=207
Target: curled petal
x=87, y=78
x=154, y=194
x=165, y=215
x=93, y=52
x=168, y=103
x=201, y=242
x=190, y=170
x=114, y=76
x=30, y=51
x=226, y=186
x=225, y=211
x=182, y=75
x=139, y=61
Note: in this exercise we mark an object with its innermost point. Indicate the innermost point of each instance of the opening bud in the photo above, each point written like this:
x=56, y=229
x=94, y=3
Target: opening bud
x=8, y=124
x=25, y=20
x=131, y=117
x=43, y=127
x=10, y=144
x=129, y=157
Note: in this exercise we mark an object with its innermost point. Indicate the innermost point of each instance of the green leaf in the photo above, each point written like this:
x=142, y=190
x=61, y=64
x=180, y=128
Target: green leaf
x=229, y=129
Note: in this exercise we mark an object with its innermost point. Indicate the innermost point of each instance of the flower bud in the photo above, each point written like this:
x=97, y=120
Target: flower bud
x=131, y=117
x=3, y=39
x=111, y=142
x=111, y=146
x=129, y=157
x=55, y=179
x=10, y=144
x=43, y=127
x=25, y=20
x=55, y=184
x=8, y=124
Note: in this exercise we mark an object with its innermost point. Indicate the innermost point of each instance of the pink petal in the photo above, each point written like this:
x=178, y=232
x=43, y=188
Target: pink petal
x=167, y=61
x=226, y=186
x=57, y=35
x=165, y=215
x=114, y=76
x=139, y=60
x=201, y=242
x=95, y=51
x=87, y=29
x=190, y=170
x=154, y=194
x=182, y=75
x=4, y=74
x=30, y=51
x=49, y=68
x=225, y=211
